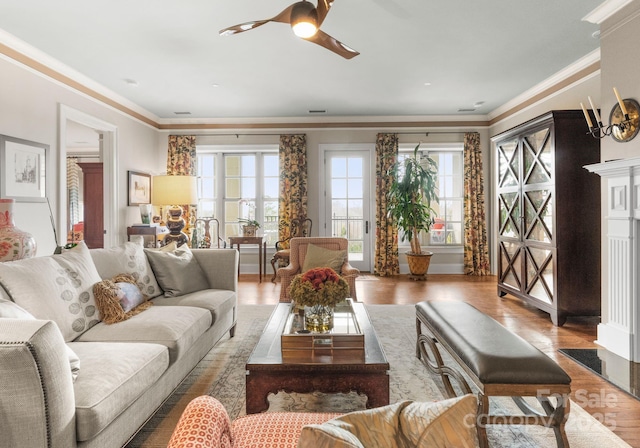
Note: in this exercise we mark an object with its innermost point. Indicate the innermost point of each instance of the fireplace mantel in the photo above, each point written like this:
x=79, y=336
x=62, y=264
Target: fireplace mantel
x=619, y=332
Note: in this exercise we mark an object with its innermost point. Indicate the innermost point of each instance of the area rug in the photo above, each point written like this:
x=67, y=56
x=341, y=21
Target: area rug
x=222, y=374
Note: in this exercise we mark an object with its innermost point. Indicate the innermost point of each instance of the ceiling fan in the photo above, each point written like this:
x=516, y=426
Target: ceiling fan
x=305, y=20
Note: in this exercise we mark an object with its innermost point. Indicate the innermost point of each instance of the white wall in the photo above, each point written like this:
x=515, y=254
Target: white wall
x=620, y=67
x=29, y=105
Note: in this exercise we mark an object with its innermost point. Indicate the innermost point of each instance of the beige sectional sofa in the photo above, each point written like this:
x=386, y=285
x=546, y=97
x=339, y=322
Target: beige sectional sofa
x=52, y=333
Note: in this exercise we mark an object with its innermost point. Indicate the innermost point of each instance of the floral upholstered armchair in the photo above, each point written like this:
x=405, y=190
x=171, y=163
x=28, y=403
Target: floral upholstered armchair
x=314, y=252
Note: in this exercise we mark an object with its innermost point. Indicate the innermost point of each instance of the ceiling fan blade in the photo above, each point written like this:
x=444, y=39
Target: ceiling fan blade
x=323, y=39
x=323, y=9
x=242, y=27
x=283, y=17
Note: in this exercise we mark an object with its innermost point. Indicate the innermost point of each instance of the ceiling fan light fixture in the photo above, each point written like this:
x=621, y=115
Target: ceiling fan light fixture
x=304, y=20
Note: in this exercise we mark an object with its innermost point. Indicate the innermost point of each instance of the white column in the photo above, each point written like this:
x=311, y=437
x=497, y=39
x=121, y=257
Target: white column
x=619, y=333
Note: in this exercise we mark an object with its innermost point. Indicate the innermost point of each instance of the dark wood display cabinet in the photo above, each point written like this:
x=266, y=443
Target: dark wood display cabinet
x=549, y=215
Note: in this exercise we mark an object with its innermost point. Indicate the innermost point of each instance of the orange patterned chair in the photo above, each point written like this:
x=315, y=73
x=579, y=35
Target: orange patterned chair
x=299, y=249
x=441, y=424
x=206, y=424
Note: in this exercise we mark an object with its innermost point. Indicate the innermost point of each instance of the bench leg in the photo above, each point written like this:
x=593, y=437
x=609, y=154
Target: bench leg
x=554, y=417
x=432, y=360
x=481, y=420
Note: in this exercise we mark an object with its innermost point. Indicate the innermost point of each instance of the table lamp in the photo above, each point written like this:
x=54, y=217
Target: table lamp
x=174, y=191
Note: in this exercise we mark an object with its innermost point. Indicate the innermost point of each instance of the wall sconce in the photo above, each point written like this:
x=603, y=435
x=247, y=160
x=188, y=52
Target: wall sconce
x=624, y=119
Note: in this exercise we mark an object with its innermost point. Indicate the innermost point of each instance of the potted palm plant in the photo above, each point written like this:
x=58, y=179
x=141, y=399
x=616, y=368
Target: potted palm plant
x=410, y=199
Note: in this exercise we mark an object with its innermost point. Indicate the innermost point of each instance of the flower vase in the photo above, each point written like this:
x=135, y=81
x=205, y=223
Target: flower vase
x=318, y=318
x=14, y=243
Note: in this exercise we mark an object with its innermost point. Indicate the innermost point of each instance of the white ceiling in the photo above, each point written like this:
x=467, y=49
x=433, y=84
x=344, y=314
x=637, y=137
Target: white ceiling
x=469, y=51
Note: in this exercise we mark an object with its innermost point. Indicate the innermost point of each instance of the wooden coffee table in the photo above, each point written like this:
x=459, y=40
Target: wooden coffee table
x=266, y=373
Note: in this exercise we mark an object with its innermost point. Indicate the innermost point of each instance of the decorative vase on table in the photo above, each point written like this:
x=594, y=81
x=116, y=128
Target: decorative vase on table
x=15, y=244
x=318, y=291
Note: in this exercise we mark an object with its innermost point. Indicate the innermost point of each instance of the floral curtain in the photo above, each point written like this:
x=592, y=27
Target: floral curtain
x=293, y=181
x=386, y=241
x=181, y=161
x=476, y=250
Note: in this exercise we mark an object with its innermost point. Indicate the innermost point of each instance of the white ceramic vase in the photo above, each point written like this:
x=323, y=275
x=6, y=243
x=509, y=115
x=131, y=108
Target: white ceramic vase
x=15, y=244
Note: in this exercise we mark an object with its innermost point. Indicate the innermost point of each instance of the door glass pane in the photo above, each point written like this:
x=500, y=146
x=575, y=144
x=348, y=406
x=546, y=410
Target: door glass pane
x=510, y=264
x=537, y=157
x=508, y=164
x=509, y=215
x=347, y=212
x=540, y=284
x=538, y=215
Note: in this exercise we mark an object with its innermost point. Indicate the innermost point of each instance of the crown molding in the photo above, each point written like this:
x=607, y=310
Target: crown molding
x=581, y=70
x=605, y=10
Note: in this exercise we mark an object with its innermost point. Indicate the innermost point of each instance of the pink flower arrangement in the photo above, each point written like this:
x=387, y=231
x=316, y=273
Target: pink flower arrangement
x=319, y=286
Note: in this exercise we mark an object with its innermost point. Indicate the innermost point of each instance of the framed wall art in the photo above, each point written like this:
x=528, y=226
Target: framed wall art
x=23, y=174
x=139, y=188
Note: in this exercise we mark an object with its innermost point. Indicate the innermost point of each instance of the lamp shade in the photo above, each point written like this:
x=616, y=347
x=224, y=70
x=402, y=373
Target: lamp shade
x=174, y=190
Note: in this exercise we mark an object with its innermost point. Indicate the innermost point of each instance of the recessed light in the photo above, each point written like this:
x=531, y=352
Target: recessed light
x=131, y=82
x=596, y=34
x=215, y=85
x=478, y=104
x=427, y=84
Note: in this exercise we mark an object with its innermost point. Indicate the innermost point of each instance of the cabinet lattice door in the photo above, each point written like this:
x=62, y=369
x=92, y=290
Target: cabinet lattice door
x=541, y=192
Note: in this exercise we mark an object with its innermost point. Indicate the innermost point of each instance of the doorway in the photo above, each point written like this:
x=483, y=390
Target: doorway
x=347, y=199
x=78, y=126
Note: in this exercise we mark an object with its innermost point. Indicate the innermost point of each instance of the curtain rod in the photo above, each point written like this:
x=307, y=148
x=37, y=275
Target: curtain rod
x=431, y=132
x=237, y=135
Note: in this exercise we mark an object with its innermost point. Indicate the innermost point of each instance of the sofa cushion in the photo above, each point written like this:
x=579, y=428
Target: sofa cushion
x=219, y=302
x=176, y=327
x=129, y=258
x=273, y=429
x=418, y=424
x=113, y=376
x=177, y=271
x=10, y=310
x=57, y=287
x=319, y=257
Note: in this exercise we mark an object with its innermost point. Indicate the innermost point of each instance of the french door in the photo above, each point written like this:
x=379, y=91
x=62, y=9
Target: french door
x=347, y=200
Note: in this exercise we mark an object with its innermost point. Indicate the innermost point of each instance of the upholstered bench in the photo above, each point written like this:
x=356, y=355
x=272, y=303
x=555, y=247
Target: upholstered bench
x=497, y=361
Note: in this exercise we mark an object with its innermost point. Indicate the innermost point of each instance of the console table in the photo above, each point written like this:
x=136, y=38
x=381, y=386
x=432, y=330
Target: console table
x=262, y=250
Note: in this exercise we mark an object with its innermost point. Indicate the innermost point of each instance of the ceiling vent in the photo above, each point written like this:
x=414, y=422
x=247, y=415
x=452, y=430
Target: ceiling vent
x=318, y=111
x=466, y=110
x=182, y=113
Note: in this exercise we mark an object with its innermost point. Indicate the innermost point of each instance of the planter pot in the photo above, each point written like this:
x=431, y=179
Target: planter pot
x=249, y=230
x=418, y=265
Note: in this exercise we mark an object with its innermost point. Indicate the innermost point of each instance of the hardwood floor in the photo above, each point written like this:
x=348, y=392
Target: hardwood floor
x=613, y=407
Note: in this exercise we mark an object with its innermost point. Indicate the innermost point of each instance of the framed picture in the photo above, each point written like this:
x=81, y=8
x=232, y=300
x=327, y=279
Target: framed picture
x=23, y=169
x=139, y=188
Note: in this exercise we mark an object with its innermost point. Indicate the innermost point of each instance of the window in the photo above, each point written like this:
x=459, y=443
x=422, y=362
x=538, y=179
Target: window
x=239, y=182
x=447, y=226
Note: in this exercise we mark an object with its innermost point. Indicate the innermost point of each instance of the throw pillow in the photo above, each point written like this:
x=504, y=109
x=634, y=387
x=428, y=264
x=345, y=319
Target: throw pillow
x=430, y=424
x=56, y=287
x=129, y=258
x=119, y=298
x=177, y=271
x=9, y=310
x=319, y=257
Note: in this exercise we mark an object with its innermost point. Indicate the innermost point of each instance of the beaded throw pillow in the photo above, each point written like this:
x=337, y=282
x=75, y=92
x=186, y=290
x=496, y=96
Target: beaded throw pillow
x=119, y=298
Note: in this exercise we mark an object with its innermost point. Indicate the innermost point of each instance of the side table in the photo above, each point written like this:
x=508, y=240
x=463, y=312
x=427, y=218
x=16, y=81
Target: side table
x=149, y=234
x=262, y=250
